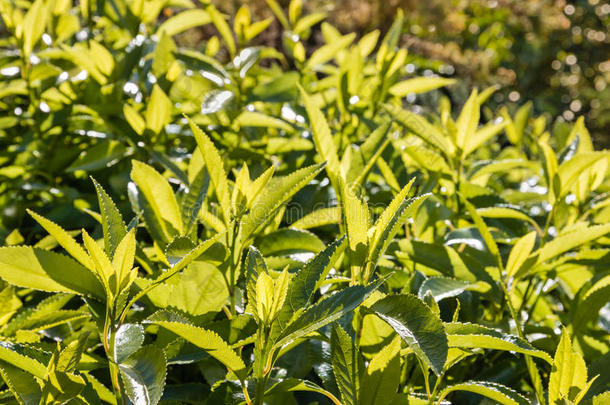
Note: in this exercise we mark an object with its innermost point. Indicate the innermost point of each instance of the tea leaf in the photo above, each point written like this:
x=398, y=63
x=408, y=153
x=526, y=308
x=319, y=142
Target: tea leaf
x=345, y=362
x=112, y=221
x=470, y=336
x=494, y=391
x=143, y=375
x=64, y=239
x=419, y=85
x=204, y=339
x=40, y=269
x=417, y=326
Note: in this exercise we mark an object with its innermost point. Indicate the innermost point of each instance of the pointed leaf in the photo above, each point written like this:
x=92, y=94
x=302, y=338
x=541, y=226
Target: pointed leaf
x=64, y=239
x=40, y=269
x=390, y=221
x=382, y=378
x=519, y=253
x=496, y=392
x=345, y=364
x=569, y=373
x=204, y=339
x=421, y=128
x=215, y=168
x=325, y=145
x=23, y=386
x=317, y=218
x=277, y=192
x=326, y=311
x=143, y=375
x=112, y=221
x=417, y=325
x=419, y=85
x=159, y=194
x=127, y=340
x=468, y=121
x=445, y=287
x=473, y=336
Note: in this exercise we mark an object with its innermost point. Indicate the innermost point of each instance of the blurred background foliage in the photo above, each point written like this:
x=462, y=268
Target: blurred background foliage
x=554, y=53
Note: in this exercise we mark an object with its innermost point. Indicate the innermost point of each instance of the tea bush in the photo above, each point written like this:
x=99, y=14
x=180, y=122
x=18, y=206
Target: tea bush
x=239, y=224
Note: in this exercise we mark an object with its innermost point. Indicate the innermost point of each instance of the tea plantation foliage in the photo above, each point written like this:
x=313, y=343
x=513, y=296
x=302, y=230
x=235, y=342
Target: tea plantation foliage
x=243, y=225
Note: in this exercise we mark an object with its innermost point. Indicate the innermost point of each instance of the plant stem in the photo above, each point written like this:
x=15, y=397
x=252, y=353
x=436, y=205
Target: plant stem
x=531, y=367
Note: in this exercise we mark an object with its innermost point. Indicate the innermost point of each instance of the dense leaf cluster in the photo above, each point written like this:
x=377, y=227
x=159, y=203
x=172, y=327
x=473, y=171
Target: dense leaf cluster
x=282, y=228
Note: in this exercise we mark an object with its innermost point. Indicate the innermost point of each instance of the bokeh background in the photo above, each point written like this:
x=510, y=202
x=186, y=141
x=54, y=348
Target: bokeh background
x=552, y=53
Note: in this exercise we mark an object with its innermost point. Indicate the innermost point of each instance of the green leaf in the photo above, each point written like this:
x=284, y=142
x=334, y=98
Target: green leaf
x=325, y=145
x=103, y=266
x=60, y=387
x=32, y=315
x=505, y=212
x=417, y=325
x=198, y=289
x=143, y=375
x=275, y=193
x=496, y=392
x=69, y=357
x=570, y=170
x=202, y=338
x=123, y=259
x=473, y=336
x=183, y=21
x=23, y=385
x=127, y=340
x=10, y=355
x=158, y=110
x=419, y=85
x=279, y=13
x=519, y=253
x=223, y=28
x=257, y=119
x=328, y=52
x=306, y=22
x=188, y=258
x=103, y=155
x=305, y=282
x=215, y=168
x=34, y=24
x=570, y=240
x=364, y=157
x=357, y=222
x=390, y=221
x=445, y=287
x=345, y=362
x=468, y=121
x=294, y=384
x=324, y=312
x=382, y=378
x=193, y=200
x=602, y=399
x=589, y=304
x=287, y=241
x=308, y=278
x=47, y=271
x=421, y=128
x=9, y=304
x=64, y=239
x=481, y=136
x=317, y=218
x=134, y=119
x=484, y=230
x=160, y=196
x=569, y=373
x=112, y=221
